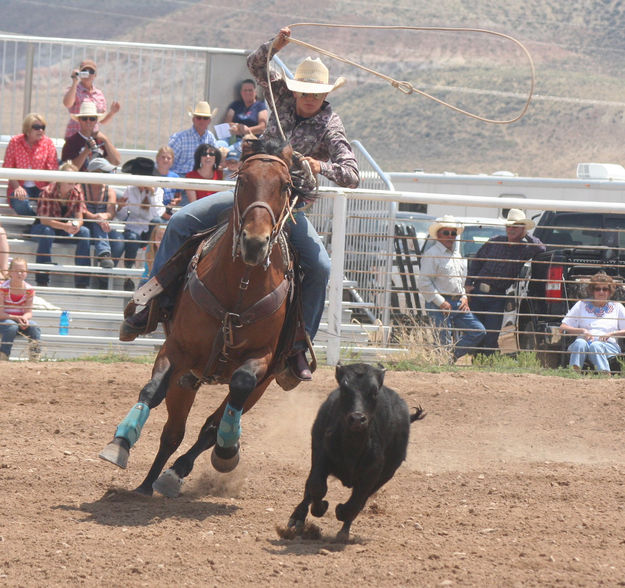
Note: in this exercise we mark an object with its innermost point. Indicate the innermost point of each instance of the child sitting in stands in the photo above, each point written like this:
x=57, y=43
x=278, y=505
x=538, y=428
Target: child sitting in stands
x=16, y=311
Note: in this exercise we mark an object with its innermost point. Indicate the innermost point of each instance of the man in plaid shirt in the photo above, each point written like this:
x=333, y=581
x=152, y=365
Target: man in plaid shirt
x=494, y=269
x=184, y=143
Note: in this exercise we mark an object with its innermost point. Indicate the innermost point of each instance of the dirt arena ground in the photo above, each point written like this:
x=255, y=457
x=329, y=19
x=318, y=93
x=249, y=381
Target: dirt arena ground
x=510, y=481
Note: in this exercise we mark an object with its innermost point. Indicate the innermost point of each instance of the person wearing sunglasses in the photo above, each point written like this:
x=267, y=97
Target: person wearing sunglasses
x=441, y=282
x=185, y=143
x=82, y=89
x=494, y=268
x=87, y=143
x=205, y=167
x=596, y=322
x=30, y=150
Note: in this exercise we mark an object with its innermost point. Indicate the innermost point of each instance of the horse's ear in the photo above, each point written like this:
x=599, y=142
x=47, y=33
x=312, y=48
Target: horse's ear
x=287, y=154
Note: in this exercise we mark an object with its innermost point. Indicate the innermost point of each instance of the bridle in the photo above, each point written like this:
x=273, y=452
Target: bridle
x=276, y=225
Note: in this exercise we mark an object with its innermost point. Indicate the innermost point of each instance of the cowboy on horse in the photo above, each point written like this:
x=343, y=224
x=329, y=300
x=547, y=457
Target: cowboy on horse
x=314, y=131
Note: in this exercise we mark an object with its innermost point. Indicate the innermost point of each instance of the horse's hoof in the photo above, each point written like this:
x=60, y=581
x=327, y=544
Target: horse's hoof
x=117, y=452
x=143, y=490
x=169, y=483
x=225, y=459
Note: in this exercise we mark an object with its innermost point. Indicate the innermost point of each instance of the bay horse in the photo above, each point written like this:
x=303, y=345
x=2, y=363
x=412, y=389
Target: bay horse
x=226, y=326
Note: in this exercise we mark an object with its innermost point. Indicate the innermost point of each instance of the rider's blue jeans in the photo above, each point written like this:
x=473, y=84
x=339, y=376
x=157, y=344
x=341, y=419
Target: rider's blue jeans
x=204, y=213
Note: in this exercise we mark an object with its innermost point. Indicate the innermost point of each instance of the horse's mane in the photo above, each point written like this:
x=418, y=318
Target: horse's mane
x=268, y=146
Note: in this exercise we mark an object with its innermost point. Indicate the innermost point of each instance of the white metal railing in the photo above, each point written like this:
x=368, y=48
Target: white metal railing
x=339, y=235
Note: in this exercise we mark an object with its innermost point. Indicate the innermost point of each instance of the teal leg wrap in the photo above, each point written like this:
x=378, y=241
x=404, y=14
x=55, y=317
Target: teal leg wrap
x=130, y=427
x=229, y=430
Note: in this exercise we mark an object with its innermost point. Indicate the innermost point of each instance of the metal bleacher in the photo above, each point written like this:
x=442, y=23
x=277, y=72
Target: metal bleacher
x=95, y=314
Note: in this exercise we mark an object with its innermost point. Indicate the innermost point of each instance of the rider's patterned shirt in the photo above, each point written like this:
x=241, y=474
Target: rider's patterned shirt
x=321, y=136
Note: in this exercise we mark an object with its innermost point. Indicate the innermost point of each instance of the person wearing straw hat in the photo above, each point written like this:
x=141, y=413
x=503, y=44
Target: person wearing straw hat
x=495, y=267
x=87, y=143
x=317, y=133
x=184, y=143
x=441, y=282
x=83, y=88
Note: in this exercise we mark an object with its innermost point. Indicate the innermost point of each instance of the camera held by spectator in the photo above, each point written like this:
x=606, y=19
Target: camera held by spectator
x=93, y=147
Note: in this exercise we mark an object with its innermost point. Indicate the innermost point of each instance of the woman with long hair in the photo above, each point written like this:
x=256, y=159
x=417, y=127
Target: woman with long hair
x=205, y=167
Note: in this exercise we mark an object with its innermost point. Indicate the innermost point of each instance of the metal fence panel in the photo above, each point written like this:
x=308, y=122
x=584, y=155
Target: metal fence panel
x=156, y=85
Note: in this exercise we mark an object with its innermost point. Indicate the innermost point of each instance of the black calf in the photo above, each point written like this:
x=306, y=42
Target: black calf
x=360, y=436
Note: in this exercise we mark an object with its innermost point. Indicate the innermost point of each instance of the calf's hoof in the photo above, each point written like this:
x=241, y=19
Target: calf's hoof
x=225, y=459
x=343, y=535
x=117, y=452
x=169, y=483
x=296, y=525
x=318, y=509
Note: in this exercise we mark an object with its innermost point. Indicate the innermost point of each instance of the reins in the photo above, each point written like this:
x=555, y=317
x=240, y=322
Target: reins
x=404, y=86
x=276, y=225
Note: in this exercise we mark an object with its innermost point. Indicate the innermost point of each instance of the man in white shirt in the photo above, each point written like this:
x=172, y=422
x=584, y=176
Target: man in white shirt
x=441, y=282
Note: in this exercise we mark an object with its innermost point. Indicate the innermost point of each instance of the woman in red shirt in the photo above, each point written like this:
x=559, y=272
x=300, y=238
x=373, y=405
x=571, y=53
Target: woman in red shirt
x=30, y=150
x=206, y=167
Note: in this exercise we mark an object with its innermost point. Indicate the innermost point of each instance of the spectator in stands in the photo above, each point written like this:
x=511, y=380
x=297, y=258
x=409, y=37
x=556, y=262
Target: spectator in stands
x=184, y=143
x=141, y=209
x=232, y=162
x=101, y=207
x=30, y=150
x=247, y=115
x=171, y=196
x=60, y=211
x=441, y=282
x=82, y=89
x=87, y=143
x=4, y=255
x=494, y=269
x=16, y=311
x=205, y=167
x=596, y=323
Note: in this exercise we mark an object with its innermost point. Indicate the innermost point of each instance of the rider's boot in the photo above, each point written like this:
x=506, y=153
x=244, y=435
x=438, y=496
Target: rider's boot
x=134, y=325
x=299, y=365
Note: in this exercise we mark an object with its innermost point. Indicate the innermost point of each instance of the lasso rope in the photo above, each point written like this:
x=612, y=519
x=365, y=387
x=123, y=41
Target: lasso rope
x=407, y=87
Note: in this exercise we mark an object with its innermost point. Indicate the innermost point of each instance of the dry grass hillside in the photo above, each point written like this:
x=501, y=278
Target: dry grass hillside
x=578, y=47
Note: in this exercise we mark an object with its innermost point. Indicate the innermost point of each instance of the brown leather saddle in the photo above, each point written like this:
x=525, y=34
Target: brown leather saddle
x=161, y=294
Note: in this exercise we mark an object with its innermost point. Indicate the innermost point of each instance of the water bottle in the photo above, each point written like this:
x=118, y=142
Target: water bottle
x=64, y=323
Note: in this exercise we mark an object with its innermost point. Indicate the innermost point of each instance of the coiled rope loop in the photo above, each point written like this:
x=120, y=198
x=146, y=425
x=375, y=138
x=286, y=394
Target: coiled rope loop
x=406, y=87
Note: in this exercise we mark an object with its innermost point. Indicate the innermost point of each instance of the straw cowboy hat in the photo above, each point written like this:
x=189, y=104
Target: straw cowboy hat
x=88, y=108
x=517, y=217
x=445, y=222
x=312, y=77
x=202, y=108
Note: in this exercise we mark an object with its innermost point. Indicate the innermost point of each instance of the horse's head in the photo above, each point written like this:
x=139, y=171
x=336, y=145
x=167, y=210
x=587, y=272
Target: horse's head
x=261, y=199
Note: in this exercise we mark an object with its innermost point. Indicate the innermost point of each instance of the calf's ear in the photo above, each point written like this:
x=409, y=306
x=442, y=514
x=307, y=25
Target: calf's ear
x=339, y=372
x=379, y=374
